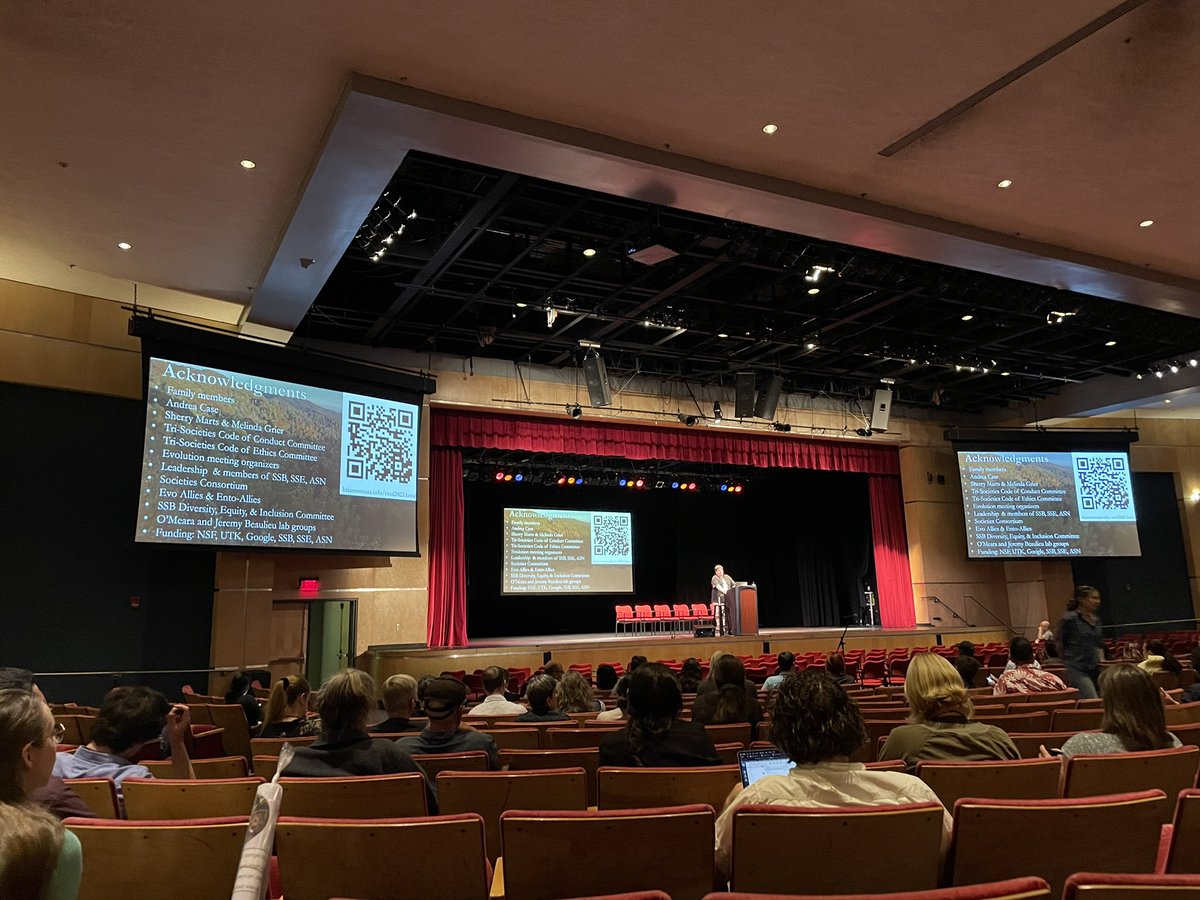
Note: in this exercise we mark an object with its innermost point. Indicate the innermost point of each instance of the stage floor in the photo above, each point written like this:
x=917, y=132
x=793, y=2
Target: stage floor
x=383, y=660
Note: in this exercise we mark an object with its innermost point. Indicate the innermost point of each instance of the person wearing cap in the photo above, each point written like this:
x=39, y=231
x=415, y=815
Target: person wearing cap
x=444, y=699
x=344, y=747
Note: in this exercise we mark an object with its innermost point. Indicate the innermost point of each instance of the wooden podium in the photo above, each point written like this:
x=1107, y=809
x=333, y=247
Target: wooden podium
x=742, y=610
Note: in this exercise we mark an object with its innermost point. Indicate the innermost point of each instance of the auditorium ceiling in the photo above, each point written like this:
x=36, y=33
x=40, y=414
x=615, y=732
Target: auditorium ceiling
x=894, y=126
x=465, y=260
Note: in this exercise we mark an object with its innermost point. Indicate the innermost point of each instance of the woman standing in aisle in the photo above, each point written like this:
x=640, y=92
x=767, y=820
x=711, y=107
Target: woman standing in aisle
x=1081, y=642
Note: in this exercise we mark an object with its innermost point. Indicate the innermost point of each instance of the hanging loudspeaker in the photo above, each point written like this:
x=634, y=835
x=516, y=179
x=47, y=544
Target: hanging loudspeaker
x=881, y=409
x=597, y=380
x=744, y=401
x=768, y=400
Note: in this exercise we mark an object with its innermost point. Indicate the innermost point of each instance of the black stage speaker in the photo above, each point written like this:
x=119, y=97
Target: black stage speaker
x=744, y=405
x=707, y=631
x=881, y=409
x=597, y=380
x=768, y=400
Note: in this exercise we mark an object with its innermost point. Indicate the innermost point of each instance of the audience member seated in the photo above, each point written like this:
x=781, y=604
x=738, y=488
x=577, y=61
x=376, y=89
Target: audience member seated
x=444, y=699
x=1044, y=644
x=241, y=692
x=819, y=727
x=966, y=664
x=574, y=695
x=655, y=735
x=606, y=679
x=286, y=715
x=1159, y=659
x=708, y=686
x=690, y=675
x=787, y=662
x=344, y=746
x=736, y=699
x=54, y=796
x=38, y=857
x=1133, y=717
x=543, y=707
x=1025, y=676
x=400, y=704
x=554, y=670
x=422, y=683
x=620, y=713
x=130, y=718
x=635, y=661
x=496, y=703
x=835, y=667
x=940, y=726
x=1192, y=694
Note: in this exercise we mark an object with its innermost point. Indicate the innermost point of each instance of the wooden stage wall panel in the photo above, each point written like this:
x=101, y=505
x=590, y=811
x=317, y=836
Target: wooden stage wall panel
x=384, y=661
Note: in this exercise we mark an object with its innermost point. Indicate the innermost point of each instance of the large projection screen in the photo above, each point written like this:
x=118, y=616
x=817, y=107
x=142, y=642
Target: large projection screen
x=239, y=460
x=1048, y=504
x=567, y=551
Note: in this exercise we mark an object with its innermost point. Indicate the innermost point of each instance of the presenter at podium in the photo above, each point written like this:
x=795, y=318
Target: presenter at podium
x=722, y=584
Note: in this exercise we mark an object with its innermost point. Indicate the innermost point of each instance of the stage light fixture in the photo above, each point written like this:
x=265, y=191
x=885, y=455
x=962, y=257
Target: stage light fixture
x=574, y=410
x=518, y=477
x=578, y=481
x=659, y=485
x=508, y=477
x=571, y=480
x=1174, y=369
x=781, y=426
x=641, y=483
x=724, y=487
x=499, y=476
x=691, y=485
x=687, y=420
x=562, y=479
x=674, y=485
x=717, y=410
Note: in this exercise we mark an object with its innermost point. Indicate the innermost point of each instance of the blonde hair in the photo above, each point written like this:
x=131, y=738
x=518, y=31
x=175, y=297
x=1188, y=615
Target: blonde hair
x=284, y=693
x=398, y=693
x=347, y=699
x=932, y=686
x=30, y=838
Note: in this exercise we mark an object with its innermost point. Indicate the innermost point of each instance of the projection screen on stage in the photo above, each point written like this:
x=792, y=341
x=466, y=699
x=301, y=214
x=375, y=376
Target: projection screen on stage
x=567, y=551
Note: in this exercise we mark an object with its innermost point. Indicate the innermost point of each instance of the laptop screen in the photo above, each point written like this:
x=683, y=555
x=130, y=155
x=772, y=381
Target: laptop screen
x=756, y=764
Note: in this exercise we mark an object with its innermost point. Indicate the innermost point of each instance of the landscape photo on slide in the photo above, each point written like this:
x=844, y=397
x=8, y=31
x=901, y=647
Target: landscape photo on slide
x=287, y=443
x=567, y=551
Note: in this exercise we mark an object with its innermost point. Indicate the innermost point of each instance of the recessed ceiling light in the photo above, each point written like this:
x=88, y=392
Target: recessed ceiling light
x=125, y=245
x=814, y=291
x=968, y=317
x=1110, y=343
x=590, y=251
x=770, y=128
x=522, y=305
x=1167, y=400
x=1193, y=362
x=1139, y=376
x=722, y=334
x=1007, y=182
x=1174, y=368
x=810, y=346
x=1005, y=373
x=247, y=164
x=1145, y=223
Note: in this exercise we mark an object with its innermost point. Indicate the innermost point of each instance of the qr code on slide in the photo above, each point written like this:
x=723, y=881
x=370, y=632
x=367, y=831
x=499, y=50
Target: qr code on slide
x=612, y=537
x=1103, y=487
x=379, y=447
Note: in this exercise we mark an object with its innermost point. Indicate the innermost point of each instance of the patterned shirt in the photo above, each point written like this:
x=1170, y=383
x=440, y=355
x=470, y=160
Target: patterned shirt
x=1027, y=680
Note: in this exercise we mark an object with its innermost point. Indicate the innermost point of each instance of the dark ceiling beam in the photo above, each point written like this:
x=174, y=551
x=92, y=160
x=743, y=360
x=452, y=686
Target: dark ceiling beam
x=466, y=231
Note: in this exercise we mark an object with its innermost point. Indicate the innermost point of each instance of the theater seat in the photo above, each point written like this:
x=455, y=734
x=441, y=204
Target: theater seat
x=1170, y=771
x=190, y=859
x=994, y=839
x=1107, y=886
x=357, y=797
x=1014, y=889
x=1183, y=847
x=433, y=856
x=565, y=854
x=186, y=798
x=775, y=847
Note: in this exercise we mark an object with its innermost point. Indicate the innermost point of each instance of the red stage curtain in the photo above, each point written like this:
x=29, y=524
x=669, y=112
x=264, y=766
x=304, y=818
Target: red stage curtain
x=453, y=428
x=892, y=574
x=447, y=623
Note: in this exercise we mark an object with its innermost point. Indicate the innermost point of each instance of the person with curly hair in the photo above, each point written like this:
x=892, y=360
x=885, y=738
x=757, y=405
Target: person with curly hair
x=574, y=695
x=654, y=734
x=39, y=859
x=939, y=724
x=819, y=727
